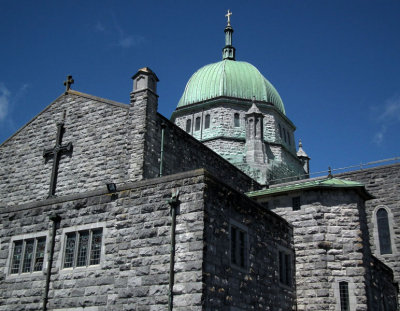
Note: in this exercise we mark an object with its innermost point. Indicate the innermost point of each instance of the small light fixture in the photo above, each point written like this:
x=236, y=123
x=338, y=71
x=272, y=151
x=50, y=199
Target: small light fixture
x=111, y=187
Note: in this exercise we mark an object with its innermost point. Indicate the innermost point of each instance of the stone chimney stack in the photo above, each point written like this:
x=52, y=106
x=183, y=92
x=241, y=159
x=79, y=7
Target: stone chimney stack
x=145, y=89
x=142, y=118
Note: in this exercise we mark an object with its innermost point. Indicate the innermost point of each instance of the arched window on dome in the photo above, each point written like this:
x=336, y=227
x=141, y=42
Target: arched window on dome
x=236, y=119
x=284, y=135
x=382, y=221
x=207, y=121
x=197, y=124
x=288, y=137
x=188, y=125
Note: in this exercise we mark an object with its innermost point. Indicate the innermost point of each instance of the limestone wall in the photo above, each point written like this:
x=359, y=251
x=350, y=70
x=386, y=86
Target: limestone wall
x=257, y=286
x=134, y=270
x=182, y=153
x=332, y=245
x=97, y=130
x=384, y=183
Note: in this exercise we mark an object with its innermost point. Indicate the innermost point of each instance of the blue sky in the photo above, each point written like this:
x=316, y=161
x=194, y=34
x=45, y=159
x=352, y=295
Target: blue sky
x=336, y=64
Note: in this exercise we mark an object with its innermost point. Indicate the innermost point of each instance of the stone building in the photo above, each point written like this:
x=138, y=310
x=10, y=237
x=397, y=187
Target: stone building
x=108, y=206
x=90, y=220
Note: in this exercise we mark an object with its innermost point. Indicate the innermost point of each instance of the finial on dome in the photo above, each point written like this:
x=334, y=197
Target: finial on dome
x=301, y=153
x=228, y=51
x=304, y=158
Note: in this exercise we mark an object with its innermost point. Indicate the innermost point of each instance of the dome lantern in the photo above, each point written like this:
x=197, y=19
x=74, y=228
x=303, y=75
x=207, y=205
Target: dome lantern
x=228, y=52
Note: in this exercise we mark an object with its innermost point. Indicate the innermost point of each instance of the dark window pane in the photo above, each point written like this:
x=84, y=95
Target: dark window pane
x=288, y=270
x=39, y=256
x=83, y=249
x=344, y=296
x=207, y=122
x=233, y=245
x=188, y=125
x=242, y=248
x=296, y=203
x=16, y=259
x=28, y=255
x=197, y=125
x=384, y=231
x=281, y=267
x=70, y=250
x=95, y=248
x=237, y=120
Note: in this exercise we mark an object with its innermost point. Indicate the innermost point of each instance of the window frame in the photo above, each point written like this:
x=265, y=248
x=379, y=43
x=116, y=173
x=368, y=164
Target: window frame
x=287, y=268
x=77, y=230
x=23, y=239
x=336, y=291
x=383, y=227
x=391, y=232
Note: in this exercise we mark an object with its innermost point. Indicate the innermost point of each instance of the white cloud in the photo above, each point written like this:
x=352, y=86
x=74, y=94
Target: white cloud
x=4, y=101
x=126, y=40
x=389, y=115
x=378, y=137
x=391, y=111
x=117, y=35
x=129, y=41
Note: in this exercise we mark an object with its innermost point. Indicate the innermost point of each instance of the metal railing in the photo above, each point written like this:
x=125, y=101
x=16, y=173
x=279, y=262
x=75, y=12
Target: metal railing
x=330, y=171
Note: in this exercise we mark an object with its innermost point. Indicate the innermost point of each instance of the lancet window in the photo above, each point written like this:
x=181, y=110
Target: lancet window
x=382, y=220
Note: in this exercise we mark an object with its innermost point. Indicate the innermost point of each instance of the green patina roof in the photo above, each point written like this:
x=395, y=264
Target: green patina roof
x=316, y=183
x=230, y=78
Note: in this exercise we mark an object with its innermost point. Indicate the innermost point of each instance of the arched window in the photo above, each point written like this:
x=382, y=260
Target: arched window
x=288, y=137
x=197, y=124
x=207, y=121
x=188, y=125
x=236, y=120
x=284, y=134
x=280, y=130
x=382, y=221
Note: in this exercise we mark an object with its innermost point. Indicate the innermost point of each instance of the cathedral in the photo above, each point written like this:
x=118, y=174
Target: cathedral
x=112, y=206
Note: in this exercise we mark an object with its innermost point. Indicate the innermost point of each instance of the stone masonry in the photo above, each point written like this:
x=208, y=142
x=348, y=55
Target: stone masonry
x=384, y=183
x=332, y=244
x=229, y=140
x=121, y=144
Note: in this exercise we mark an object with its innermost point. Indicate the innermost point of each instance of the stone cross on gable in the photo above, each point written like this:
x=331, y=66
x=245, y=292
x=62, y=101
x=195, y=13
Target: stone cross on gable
x=68, y=83
x=56, y=154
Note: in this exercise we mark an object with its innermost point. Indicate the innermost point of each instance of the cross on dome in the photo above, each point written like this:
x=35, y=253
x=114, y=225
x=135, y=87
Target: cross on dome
x=228, y=16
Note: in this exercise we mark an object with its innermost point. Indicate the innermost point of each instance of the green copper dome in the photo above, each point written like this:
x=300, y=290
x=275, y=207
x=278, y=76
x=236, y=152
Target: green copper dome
x=230, y=78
